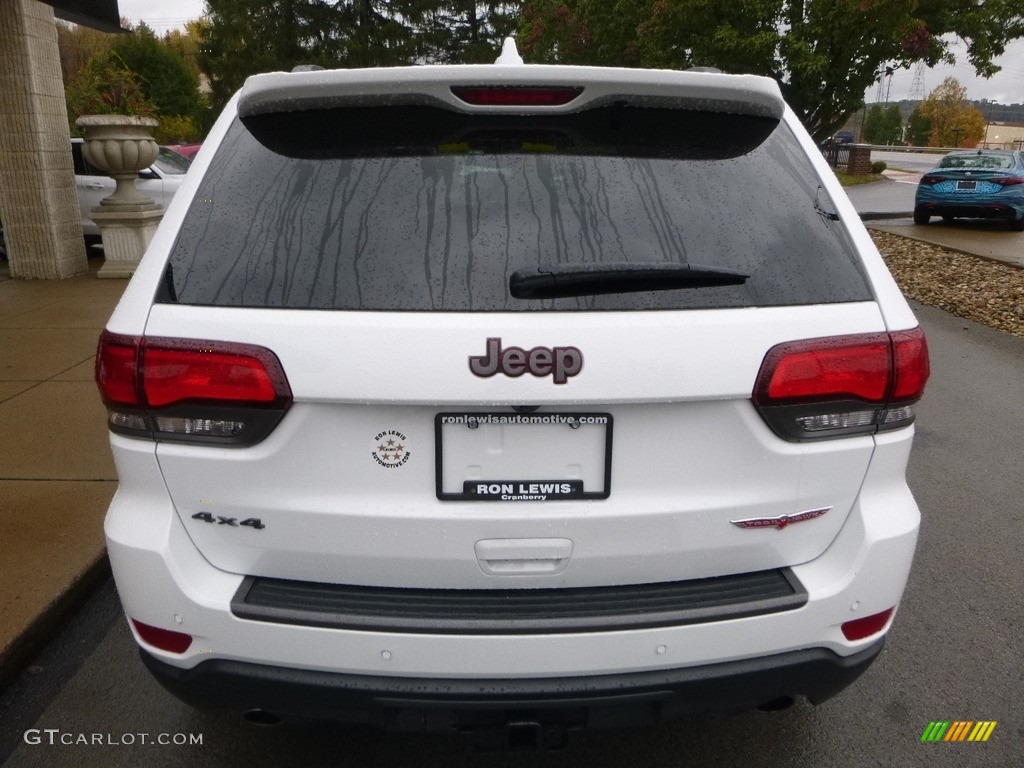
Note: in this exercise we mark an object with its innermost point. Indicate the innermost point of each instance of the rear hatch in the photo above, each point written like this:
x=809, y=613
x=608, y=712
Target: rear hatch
x=520, y=348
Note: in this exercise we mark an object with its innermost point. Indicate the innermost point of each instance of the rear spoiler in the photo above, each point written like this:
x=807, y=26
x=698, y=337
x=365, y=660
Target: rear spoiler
x=433, y=86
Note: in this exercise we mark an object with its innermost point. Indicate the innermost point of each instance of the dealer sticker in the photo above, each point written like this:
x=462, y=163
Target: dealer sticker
x=391, y=449
x=522, y=490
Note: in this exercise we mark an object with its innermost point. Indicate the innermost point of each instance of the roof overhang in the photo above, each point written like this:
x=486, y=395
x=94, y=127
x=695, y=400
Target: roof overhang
x=97, y=14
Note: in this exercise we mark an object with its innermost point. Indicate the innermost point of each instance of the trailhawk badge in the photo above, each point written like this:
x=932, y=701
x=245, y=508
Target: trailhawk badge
x=391, y=449
x=560, y=362
x=781, y=521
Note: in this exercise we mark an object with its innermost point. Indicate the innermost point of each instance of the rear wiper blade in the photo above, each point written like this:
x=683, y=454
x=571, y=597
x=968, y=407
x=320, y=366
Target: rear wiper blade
x=561, y=280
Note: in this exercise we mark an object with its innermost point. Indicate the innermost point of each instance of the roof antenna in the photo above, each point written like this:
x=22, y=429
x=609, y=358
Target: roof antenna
x=509, y=53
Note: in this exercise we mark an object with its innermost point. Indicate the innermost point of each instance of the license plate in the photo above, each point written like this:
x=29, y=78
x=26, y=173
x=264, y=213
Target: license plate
x=968, y=186
x=512, y=457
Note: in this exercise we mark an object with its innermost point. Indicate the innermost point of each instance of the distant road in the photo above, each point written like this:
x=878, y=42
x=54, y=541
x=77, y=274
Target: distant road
x=916, y=162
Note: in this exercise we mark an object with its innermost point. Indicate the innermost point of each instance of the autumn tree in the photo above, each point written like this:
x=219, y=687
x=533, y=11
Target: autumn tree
x=187, y=43
x=824, y=55
x=77, y=45
x=954, y=122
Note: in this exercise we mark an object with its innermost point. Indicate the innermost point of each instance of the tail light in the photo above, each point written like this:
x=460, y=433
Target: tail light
x=1008, y=181
x=842, y=385
x=515, y=96
x=932, y=179
x=190, y=391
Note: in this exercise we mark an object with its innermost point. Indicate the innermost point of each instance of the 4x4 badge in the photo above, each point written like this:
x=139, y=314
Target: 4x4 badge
x=561, y=362
x=781, y=521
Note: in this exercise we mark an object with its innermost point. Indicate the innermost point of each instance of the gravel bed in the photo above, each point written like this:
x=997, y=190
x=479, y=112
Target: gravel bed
x=967, y=286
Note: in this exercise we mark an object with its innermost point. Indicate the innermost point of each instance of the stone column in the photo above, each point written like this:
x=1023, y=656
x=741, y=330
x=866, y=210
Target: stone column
x=38, y=199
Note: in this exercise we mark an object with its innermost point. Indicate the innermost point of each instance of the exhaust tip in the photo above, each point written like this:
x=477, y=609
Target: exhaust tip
x=777, y=705
x=261, y=717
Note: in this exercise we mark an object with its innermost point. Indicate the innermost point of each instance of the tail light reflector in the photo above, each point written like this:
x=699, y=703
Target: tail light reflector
x=858, y=629
x=515, y=96
x=190, y=391
x=164, y=639
x=842, y=385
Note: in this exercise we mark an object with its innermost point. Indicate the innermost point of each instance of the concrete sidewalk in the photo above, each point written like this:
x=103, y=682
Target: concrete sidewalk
x=56, y=470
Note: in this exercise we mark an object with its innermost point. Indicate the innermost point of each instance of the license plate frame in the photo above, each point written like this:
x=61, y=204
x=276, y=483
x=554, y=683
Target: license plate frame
x=504, y=419
x=967, y=185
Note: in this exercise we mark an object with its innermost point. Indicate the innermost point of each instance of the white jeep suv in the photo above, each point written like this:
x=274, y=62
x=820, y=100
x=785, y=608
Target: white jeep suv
x=513, y=400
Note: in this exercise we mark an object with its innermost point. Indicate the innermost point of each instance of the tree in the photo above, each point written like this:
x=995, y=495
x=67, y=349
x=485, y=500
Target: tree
x=186, y=44
x=77, y=45
x=873, y=125
x=954, y=122
x=166, y=79
x=892, y=126
x=465, y=31
x=246, y=37
x=824, y=54
x=919, y=128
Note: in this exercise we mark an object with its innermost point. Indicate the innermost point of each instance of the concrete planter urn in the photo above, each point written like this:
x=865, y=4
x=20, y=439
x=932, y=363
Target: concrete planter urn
x=121, y=145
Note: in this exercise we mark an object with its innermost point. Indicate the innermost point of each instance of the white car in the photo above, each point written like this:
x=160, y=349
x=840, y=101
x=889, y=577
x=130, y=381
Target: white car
x=510, y=400
x=159, y=182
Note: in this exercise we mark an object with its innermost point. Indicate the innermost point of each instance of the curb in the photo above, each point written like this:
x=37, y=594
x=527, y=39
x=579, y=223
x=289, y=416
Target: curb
x=878, y=215
x=26, y=646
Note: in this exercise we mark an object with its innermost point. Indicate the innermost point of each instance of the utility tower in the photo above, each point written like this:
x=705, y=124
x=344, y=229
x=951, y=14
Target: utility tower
x=917, y=87
x=884, y=83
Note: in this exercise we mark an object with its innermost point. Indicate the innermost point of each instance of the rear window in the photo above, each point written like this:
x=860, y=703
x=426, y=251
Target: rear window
x=422, y=209
x=992, y=162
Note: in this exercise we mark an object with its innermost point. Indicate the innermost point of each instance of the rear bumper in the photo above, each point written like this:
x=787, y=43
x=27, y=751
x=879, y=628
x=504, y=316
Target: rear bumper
x=569, y=702
x=730, y=662
x=997, y=206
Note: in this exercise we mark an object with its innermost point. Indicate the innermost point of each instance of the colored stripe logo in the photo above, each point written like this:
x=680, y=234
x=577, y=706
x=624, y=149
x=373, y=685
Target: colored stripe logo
x=958, y=730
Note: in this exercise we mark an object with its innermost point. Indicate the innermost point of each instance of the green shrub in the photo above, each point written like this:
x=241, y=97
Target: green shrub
x=176, y=129
x=878, y=166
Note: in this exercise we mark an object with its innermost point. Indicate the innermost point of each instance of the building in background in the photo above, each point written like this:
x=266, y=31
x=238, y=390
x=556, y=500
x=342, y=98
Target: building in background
x=1003, y=136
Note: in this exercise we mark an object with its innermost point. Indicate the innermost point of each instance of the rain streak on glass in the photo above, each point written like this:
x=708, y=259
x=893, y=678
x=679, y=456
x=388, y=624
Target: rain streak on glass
x=421, y=209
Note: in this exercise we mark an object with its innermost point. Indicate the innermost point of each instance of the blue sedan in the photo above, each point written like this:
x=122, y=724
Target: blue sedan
x=984, y=184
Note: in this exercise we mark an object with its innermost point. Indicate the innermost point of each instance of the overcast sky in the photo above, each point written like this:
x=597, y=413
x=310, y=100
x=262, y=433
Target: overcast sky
x=1007, y=87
